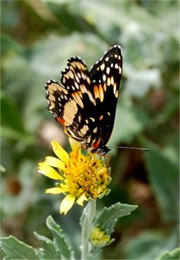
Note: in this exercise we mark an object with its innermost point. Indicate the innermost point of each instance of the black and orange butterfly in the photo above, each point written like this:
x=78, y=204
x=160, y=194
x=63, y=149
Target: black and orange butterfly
x=85, y=101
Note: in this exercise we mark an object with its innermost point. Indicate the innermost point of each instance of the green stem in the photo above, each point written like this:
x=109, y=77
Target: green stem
x=86, y=223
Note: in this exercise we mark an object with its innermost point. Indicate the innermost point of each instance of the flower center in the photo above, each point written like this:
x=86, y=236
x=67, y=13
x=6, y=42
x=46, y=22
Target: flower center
x=85, y=174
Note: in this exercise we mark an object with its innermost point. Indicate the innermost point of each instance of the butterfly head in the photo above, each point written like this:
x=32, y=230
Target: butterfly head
x=98, y=147
x=102, y=150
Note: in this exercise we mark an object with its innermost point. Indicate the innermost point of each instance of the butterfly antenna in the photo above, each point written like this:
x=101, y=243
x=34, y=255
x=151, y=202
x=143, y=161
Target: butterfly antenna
x=132, y=148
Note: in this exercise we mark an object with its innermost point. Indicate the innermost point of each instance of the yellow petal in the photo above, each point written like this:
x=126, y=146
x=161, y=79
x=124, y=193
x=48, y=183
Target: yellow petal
x=54, y=162
x=55, y=190
x=74, y=145
x=49, y=171
x=81, y=199
x=59, y=151
x=66, y=204
x=102, y=171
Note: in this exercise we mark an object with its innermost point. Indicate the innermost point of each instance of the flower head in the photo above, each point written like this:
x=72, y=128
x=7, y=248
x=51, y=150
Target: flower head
x=99, y=238
x=80, y=177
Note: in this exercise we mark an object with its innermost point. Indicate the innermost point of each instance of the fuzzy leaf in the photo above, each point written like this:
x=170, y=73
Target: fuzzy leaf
x=16, y=249
x=11, y=117
x=59, y=239
x=163, y=176
x=109, y=216
x=49, y=250
x=171, y=255
x=150, y=244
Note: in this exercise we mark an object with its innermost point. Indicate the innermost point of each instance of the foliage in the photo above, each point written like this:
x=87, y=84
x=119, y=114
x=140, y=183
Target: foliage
x=37, y=39
x=58, y=248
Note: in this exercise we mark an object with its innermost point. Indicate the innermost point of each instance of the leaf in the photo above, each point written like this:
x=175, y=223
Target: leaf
x=150, y=244
x=163, y=175
x=108, y=217
x=141, y=81
x=49, y=250
x=59, y=2
x=128, y=124
x=61, y=243
x=9, y=45
x=49, y=64
x=117, y=14
x=172, y=255
x=16, y=249
x=10, y=133
x=10, y=116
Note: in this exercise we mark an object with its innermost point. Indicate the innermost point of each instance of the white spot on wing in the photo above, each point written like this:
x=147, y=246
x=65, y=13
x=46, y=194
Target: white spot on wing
x=108, y=70
x=92, y=119
x=95, y=130
x=76, y=85
x=102, y=66
x=116, y=66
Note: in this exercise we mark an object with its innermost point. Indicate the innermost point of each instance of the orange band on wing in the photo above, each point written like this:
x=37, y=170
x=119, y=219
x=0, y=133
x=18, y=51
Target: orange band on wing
x=61, y=120
x=96, y=144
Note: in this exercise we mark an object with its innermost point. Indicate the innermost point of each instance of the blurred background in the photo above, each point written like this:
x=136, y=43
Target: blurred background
x=38, y=36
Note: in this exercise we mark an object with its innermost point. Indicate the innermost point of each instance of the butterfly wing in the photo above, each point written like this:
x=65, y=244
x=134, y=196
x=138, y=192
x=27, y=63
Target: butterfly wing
x=72, y=102
x=105, y=78
x=85, y=102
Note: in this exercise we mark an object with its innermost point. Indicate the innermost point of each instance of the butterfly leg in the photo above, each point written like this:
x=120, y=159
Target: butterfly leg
x=107, y=159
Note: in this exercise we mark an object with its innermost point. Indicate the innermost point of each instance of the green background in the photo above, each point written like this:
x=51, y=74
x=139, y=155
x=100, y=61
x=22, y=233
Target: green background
x=37, y=39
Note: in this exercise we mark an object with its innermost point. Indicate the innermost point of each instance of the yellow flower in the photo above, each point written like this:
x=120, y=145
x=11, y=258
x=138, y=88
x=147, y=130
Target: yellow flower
x=99, y=238
x=81, y=177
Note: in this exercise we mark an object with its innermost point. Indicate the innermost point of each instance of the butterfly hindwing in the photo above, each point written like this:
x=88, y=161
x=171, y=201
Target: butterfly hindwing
x=57, y=97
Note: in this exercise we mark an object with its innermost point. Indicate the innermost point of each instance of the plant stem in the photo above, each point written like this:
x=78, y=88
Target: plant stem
x=86, y=223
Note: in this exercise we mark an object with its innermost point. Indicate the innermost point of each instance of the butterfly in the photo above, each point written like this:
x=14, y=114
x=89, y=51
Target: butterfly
x=84, y=101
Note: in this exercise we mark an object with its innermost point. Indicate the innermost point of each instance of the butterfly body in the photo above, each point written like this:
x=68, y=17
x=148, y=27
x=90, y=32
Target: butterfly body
x=85, y=101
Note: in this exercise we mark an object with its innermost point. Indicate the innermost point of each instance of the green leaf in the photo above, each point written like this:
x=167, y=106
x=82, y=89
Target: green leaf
x=172, y=255
x=49, y=250
x=109, y=216
x=10, y=116
x=60, y=242
x=140, y=81
x=150, y=244
x=9, y=45
x=133, y=122
x=16, y=249
x=163, y=175
x=59, y=2
x=10, y=133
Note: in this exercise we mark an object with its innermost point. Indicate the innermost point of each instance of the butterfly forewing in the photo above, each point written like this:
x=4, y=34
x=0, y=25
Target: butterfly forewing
x=105, y=77
x=85, y=102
